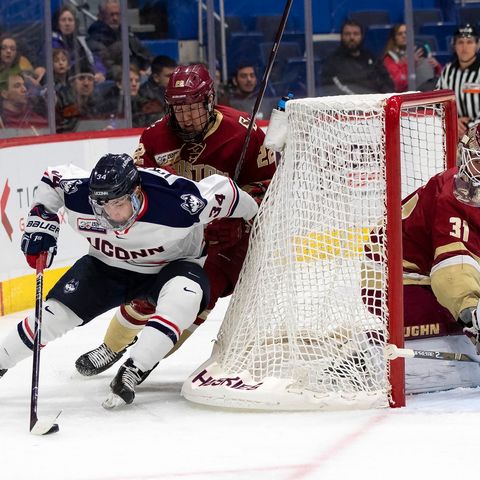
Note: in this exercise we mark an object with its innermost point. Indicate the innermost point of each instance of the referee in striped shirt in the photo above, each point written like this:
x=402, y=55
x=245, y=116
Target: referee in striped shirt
x=462, y=76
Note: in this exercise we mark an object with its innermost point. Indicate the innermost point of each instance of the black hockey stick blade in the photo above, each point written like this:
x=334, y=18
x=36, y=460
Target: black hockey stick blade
x=392, y=352
x=45, y=427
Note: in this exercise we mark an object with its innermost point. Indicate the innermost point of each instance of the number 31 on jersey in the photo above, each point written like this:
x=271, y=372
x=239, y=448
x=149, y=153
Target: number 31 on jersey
x=460, y=228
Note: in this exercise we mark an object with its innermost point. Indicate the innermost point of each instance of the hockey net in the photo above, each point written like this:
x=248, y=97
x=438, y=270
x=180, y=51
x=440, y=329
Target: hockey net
x=297, y=333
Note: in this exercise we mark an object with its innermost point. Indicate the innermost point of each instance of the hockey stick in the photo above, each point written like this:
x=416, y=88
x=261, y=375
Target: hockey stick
x=392, y=352
x=38, y=427
x=263, y=85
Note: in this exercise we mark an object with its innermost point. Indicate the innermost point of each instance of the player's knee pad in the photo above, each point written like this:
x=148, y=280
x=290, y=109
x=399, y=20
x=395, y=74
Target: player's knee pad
x=179, y=301
x=57, y=319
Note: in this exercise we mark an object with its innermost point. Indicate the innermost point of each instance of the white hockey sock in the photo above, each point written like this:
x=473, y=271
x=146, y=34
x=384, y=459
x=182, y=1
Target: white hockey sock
x=57, y=319
x=177, y=307
x=12, y=349
x=151, y=347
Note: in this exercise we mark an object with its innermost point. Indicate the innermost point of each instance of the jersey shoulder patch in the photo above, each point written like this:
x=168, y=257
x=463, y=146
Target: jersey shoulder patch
x=192, y=204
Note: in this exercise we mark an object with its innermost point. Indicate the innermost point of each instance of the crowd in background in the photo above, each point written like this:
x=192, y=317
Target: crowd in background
x=87, y=71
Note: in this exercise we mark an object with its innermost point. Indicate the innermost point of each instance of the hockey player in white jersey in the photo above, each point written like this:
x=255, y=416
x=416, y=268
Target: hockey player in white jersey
x=145, y=230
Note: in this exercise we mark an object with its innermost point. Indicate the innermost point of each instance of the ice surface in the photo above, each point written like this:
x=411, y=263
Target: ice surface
x=162, y=436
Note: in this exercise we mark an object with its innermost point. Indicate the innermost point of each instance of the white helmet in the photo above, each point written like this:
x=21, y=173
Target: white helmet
x=467, y=180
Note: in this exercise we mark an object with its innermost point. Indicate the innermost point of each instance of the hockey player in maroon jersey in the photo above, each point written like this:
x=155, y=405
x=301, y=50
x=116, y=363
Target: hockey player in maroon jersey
x=146, y=236
x=196, y=139
x=441, y=254
x=441, y=245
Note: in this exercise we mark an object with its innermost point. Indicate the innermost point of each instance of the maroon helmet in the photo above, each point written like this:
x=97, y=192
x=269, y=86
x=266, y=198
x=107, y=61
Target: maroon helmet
x=188, y=85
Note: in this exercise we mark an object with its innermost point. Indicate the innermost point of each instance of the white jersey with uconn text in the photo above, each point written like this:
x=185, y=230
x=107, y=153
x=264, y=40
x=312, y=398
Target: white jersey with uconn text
x=169, y=225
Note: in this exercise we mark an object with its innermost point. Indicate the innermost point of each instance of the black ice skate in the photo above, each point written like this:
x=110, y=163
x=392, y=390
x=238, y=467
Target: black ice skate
x=4, y=371
x=147, y=373
x=123, y=385
x=98, y=360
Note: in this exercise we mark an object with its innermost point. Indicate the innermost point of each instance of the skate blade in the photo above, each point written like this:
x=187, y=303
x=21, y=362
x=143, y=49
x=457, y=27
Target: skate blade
x=113, y=401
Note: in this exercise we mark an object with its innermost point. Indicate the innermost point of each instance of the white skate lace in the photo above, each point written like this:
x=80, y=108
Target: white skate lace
x=130, y=377
x=101, y=356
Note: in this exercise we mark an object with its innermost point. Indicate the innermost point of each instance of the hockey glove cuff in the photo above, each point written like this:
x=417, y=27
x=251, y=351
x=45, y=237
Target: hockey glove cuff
x=41, y=234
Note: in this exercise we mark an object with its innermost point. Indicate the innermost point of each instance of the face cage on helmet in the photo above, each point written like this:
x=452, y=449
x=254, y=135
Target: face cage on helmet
x=467, y=184
x=98, y=207
x=190, y=137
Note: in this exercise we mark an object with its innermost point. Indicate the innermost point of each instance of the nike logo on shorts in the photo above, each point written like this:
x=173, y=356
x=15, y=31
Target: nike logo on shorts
x=187, y=290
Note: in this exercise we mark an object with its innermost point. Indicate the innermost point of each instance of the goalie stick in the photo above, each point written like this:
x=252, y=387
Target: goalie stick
x=263, y=85
x=38, y=427
x=392, y=352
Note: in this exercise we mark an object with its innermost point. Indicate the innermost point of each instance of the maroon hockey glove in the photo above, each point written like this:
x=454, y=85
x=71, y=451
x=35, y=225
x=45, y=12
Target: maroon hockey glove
x=41, y=233
x=143, y=307
x=225, y=232
x=257, y=190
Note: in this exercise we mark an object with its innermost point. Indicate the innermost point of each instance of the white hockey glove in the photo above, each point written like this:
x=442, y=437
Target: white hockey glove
x=469, y=318
x=41, y=233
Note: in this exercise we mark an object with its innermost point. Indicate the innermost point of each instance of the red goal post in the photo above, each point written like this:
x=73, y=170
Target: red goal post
x=393, y=112
x=297, y=333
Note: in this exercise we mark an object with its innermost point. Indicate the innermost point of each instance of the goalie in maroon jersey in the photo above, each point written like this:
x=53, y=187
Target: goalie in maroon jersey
x=441, y=254
x=196, y=139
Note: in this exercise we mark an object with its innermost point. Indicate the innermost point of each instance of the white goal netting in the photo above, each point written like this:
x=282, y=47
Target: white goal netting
x=298, y=333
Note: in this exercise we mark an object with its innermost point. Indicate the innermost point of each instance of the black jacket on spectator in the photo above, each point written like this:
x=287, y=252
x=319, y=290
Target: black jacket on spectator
x=107, y=44
x=69, y=110
x=152, y=99
x=342, y=73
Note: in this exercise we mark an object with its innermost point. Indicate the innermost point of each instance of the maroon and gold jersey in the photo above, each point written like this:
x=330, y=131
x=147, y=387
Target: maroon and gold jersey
x=218, y=152
x=441, y=243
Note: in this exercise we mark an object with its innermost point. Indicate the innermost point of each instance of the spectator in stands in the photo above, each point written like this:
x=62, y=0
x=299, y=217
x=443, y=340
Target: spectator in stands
x=104, y=39
x=114, y=101
x=351, y=69
x=152, y=92
x=11, y=61
x=65, y=35
x=16, y=109
x=427, y=68
x=61, y=66
x=243, y=91
x=79, y=101
x=462, y=75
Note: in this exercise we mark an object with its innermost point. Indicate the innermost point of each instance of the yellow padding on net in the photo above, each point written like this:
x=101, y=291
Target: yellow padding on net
x=335, y=243
x=19, y=293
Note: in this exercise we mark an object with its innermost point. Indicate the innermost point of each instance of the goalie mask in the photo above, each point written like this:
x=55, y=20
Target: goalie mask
x=113, y=191
x=190, y=96
x=467, y=180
